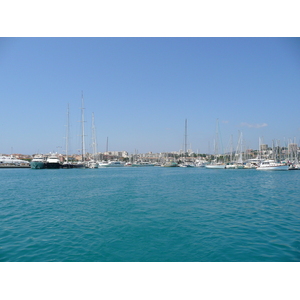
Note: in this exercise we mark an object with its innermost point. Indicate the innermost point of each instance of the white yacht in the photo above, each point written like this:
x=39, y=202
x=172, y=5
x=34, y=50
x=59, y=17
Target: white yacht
x=142, y=164
x=53, y=162
x=187, y=164
x=235, y=166
x=271, y=165
x=38, y=162
x=12, y=160
x=215, y=165
x=294, y=166
x=112, y=163
x=92, y=164
x=230, y=166
x=200, y=163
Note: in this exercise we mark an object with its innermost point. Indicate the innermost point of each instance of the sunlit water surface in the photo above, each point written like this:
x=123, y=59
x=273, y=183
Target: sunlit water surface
x=149, y=214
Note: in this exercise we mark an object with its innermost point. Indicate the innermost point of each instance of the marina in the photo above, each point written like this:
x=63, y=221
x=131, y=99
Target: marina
x=149, y=149
x=58, y=161
x=275, y=158
x=225, y=203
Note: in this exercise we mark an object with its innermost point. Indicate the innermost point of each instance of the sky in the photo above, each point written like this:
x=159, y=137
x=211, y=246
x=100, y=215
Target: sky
x=141, y=90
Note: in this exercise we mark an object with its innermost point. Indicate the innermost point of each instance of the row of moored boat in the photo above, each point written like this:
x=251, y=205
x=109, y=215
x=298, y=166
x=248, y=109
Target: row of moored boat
x=53, y=162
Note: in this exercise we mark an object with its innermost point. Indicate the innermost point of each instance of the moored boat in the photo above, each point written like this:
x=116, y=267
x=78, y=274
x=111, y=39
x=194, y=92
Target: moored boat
x=113, y=163
x=215, y=166
x=200, y=163
x=142, y=164
x=271, y=165
x=11, y=160
x=38, y=162
x=53, y=162
x=92, y=164
x=294, y=167
x=230, y=166
x=170, y=164
x=187, y=165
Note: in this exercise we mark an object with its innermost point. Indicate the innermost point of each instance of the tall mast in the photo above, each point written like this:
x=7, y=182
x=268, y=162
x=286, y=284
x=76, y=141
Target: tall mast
x=82, y=126
x=239, y=148
x=242, y=147
x=67, y=134
x=185, y=138
x=217, y=139
x=94, y=141
x=231, y=147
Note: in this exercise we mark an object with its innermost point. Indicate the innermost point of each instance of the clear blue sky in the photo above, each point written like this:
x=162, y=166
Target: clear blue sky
x=141, y=90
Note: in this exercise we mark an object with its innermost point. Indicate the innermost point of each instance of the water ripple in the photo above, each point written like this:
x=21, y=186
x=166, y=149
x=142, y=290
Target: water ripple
x=149, y=214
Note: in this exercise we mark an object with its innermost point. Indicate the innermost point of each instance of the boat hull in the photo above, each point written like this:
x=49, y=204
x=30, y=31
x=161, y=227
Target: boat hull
x=93, y=165
x=79, y=166
x=37, y=165
x=170, y=165
x=294, y=167
x=111, y=165
x=273, y=168
x=215, y=166
x=53, y=165
x=142, y=165
x=67, y=166
x=230, y=167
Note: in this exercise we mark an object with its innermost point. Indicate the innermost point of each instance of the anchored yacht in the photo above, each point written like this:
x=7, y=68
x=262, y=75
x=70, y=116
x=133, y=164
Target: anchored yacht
x=111, y=164
x=53, y=162
x=271, y=165
x=12, y=160
x=38, y=162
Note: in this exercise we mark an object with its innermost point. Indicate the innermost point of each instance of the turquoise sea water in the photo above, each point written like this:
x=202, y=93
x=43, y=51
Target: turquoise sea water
x=149, y=214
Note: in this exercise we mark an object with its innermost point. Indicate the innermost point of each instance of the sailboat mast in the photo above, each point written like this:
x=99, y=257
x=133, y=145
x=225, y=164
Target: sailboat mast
x=94, y=142
x=231, y=147
x=67, y=134
x=82, y=126
x=185, y=138
x=242, y=147
x=217, y=139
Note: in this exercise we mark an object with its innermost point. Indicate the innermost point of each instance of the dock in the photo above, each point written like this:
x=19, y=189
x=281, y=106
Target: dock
x=4, y=166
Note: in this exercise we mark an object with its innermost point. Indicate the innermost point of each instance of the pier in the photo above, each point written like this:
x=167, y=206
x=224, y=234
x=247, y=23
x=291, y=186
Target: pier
x=5, y=166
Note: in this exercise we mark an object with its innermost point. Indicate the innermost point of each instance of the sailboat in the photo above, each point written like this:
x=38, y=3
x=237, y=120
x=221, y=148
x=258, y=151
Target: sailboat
x=238, y=164
x=92, y=164
x=186, y=164
x=239, y=152
x=67, y=164
x=82, y=164
x=231, y=164
x=293, y=149
x=216, y=164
